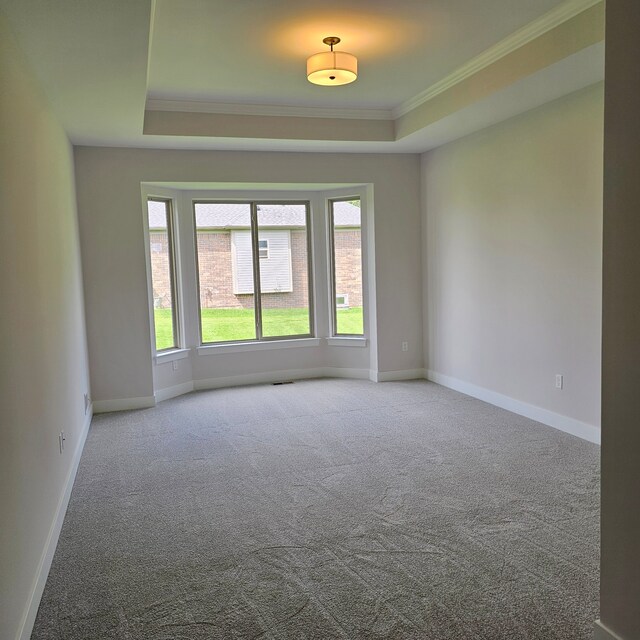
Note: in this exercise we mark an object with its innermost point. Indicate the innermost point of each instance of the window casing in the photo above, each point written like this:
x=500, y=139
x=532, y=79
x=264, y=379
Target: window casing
x=264, y=248
x=163, y=273
x=346, y=266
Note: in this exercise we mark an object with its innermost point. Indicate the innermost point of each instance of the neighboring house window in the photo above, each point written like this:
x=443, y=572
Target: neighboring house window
x=239, y=243
x=345, y=224
x=163, y=273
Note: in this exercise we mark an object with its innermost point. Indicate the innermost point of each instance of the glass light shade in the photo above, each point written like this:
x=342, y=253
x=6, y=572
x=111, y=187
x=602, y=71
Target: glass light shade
x=332, y=68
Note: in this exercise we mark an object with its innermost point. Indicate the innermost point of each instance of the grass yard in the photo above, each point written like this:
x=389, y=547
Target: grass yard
x=222, y=325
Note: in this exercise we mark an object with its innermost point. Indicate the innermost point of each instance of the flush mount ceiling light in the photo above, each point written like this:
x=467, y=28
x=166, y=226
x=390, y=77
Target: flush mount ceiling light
x=332, y=67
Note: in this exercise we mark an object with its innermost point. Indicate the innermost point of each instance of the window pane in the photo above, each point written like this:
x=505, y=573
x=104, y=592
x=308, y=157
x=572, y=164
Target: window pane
x=284, y=271
x=225, y=271
x=162, y=274
x=347, y=263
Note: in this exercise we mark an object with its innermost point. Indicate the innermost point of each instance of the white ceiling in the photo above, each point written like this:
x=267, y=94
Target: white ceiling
x=255, y=52
x=100, y=62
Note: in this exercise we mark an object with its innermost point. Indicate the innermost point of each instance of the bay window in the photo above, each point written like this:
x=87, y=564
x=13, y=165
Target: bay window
x=163, y=273
x=253, y=270
x=345, y=256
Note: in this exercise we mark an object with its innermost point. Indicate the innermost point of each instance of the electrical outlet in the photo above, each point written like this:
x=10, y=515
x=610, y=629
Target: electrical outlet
x=559, y=381
x=405, y=346
x=174, y=365
x=61, y=440
x=87, y=402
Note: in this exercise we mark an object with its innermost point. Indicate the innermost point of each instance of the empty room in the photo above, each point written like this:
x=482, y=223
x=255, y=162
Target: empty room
x=319, y=321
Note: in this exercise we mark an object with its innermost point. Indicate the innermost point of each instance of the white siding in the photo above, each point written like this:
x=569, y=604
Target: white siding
x=275, y=270
x=241, y=262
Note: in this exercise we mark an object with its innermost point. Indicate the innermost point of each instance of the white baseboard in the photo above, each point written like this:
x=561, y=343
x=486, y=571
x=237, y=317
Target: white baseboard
x=602, y=633
x=557, y=421
x=103, y=406
x=279, y=376
x=123, y=404
x=40, y=580
x=394, y=376
x=344, y=372
x=257, y=378
x=173, y=392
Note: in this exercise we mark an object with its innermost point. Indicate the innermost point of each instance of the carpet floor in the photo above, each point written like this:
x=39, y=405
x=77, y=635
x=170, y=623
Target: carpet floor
x=327, y=509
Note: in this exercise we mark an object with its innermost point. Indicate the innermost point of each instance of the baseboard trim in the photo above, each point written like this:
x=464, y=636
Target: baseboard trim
x=345, y=372
x=279, y=376
x=31, y=610
x=123, y=404
x=602, y=633
x=173, y=392
x=557, y=421
x=394, y=376
x=104, y=406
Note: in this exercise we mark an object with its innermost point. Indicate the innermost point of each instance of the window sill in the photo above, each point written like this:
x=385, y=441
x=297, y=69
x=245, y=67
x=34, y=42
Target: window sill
x=236, y=347
x=170, y=356
x=347, y=341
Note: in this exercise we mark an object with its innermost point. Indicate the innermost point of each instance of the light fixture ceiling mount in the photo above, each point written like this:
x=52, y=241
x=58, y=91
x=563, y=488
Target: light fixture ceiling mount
x=329, y=68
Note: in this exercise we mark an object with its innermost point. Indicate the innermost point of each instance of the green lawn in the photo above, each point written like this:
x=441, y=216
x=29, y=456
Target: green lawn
x=349, y=321
x=164, y=329
x=221, y=325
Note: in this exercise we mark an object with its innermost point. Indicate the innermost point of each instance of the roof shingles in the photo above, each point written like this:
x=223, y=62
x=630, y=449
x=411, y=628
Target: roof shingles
x=234, y=215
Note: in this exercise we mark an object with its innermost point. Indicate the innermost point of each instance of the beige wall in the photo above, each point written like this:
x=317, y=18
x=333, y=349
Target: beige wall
x=620, y=575
x=111, y=227
x=42, y=337
x=512, y=243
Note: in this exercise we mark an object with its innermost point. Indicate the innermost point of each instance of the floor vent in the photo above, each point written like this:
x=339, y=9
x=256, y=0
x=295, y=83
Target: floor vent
x=284, y=382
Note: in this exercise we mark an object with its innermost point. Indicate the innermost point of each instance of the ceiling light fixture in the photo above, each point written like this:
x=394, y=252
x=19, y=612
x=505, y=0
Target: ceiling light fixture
x=332, y=67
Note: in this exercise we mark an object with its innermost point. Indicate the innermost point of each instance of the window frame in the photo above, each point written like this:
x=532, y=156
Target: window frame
x=257, y=293
x=173, y=274
x=333, y=292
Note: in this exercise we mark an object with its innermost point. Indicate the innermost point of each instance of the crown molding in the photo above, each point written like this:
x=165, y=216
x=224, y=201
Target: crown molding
x=550, y=20
x=517, y=39
x=197, y=106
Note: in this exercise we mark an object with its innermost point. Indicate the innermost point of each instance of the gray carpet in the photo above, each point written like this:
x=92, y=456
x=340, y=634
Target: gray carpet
x=327, y=509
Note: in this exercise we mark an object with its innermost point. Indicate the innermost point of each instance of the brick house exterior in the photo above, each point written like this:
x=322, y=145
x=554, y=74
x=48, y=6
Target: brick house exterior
x=348, y=259
x=216, y=274
x=159, y=244
x=215, y=253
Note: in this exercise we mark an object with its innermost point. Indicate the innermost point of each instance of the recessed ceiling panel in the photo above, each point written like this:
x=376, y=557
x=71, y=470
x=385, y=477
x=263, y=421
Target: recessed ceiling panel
x=255, y=51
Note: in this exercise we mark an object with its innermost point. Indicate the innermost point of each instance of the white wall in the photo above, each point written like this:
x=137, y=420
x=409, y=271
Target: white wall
x=512, y=223
x=620, y=559
x=111, y=227
x=43, y=376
